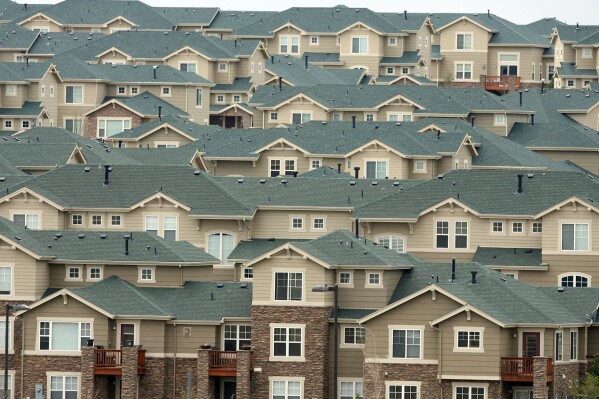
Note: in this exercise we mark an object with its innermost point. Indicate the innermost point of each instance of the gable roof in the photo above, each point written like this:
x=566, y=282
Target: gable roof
x=293, y=71
x=56, y=43
x=520, y=257
x=144, y=104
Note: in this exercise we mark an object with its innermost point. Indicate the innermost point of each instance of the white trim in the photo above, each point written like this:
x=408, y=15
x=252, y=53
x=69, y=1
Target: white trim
x=588, y=222
x=368, y=284
x=469, y=384
x=50, y=374
x=343, y=344
x=68, y=272
x=136, y=326
x=388, y=385
x=11, y=374
x=287, y=358
x=392, y=328
x=351, y=279
x=573, y=274
x=457, y=329
x=88, y=270
x=286, y=379
x=287, y=302
x=146, y=281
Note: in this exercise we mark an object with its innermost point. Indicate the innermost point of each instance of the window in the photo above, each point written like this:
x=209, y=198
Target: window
x=315, y=164
x=406, y=343
x=94, y=273
x=96, y=220
x=497, y=227
x=188, y=67
x=376, y=169
x=28, y=220
x=73, y=94
x=288, y=286
x=8, y=124
x=390, y=70
x=223, y=67
x=550, y=71
x=220, y=245
x=110, y=127
x=237, y=336
x=401, y=391
x=170, y=228
x=463, y=71
x=337, y=116
x=51, y=90
x=499, y=119
x=43, y=91
x=8, y=382
x=575, y=237
x=351, y=389
x=248, y=273
x=236, y=98
x=574, y=280
x=570, y=83
x=274, y=116
x=73, y=125
x=573, y=345
x=517, y=227
x=77, y=219
x=165, y=91
x=369, y=117
x=26, y=124
x=287, y=341
x=287, y=164
x=64, y=387
x=464, y=41
x=314, y=40
x=63, y=335
x=284, y=389
x=5, y=280
x=116, y=220
x=289, y=45
x=537, y=227
x=392, y=242
x=468, y=340
x=359, y=45
x=442, y=234
x=461, y=234
x=469, y=392
x=303, y=117
x=318, y=223
x=11, y=90
x=559, y=346
x=374, y=280
x=146, y=275
x=121, y=90
x=297, y=223
x=134, y=90
x=345, y=278
x=74, y=273
x=405, y=70
x=354, y=335
x=392, y=41
x=420, y=167
x=252, y=66
x=587, y=53
x=220, y=98
x=151, y=224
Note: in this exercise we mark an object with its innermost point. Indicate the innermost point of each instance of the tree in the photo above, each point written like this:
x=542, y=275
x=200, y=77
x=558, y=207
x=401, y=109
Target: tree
x=587, y=388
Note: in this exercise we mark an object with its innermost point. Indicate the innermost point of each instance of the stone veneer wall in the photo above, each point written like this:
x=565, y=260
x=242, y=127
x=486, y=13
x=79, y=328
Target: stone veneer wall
x=376, y=374
x=315, y=369
x=91, y=120
x=571, y=371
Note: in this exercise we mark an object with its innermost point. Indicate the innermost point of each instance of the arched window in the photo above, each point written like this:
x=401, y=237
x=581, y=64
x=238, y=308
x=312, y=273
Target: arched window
x=574, y=280
x=220, y=245
x=395, y=243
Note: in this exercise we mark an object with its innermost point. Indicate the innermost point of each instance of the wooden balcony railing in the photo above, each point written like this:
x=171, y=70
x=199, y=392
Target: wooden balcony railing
x=520, y=369
x=224, y=363
x=501, y=83
x=110, y=361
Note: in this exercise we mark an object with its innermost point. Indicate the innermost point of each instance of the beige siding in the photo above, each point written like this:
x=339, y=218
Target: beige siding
x=152, y=334
x=360, y=296
x=477, y=56
x=41, y=22
x=187, y=344
x=49, y=217
x=271, y=223
x=370, y=60
x=588, y=160
x=397, y=166
x=163, y=136
x=30, y=277
x=586, y=62
x=590, y=119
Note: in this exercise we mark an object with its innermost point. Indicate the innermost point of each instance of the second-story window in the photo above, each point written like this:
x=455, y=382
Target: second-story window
x=359, y=45
x=74, y=94
x=288, y=286
x=464, y=41
x=220, y=245
x=575, y=237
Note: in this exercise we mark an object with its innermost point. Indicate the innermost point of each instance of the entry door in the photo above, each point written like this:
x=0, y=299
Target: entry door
x=229, y=389
x=531, y=344
x=523, y=394
x=508, y=70
x=127, y=334
x=230, y=122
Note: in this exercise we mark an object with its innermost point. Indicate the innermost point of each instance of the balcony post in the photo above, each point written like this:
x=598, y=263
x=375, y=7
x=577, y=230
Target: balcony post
x=88, y=362
x=129, y=383
x=244, y=365
x=539, y=382
x=204, y=384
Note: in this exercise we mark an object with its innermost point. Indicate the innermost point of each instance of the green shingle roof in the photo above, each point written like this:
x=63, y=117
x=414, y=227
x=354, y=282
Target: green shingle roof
x=33, y=154
x=567, y=69
x=326, y=172
x=325, y=58
x=554, y=135
x=293, y=71
x=17, y=40
x=251, y=249
x=239, y=85
x=147, y=104
x=408, y=58
x=29, y=109
x=20, y=71
x=190, y=128
x=228, y=20
x=508, y=256
x=544, y=26
x=59, y=42
x=188, y=16
x=10, y=10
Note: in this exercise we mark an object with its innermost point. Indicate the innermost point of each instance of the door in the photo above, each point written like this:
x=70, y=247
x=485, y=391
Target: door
x=508, y=70
x=531, y=344
x=522, y=394
x=230, y=122
x=127, y=334
x=229, y=389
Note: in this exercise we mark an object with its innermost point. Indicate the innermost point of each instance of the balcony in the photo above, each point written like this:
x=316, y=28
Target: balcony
x=110, y=362
x=224, y=363
x=520, y=369
x=501, y=83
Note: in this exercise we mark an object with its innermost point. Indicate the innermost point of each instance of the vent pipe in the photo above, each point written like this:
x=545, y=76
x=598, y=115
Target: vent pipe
x=272, y=59
x=473, y=281
x=126, y=245
x=154, y=68
x=306, y=61
x=353, y=121
x=405, y=15
x=532, y=119
x=472, y=119
x=438, y=134
x=106, y=172
x=357, y=228
x=521, y=94
x=120, y=143
x=452, y=270
x=280, y=83
x=542, y=86
x=160, y=112
x=520, y=183
x=356, y=171
x=339, y=168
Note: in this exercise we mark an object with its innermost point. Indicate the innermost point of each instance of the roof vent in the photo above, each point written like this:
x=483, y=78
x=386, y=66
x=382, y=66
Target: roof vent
x=531, y=175
x=81, y=236
x=244, y=285
x=262, y=181
x=324, y=122
x=220, y=285
x=57, y=235
x=374, y=183
x=240, y=181
x=396, y=184
x=352, y=182
x=441, y=176
x=2, y=178
x=103, y=236
x=561, y=289
x=284, y=182
x=18, y=238
x=197, y=172
x=87, y=169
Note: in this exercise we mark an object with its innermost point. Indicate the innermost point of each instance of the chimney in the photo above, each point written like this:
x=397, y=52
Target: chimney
x=452, y=270
x=120, y=143
x=472, y=119
x=520, y=183
x=280, y=83
x=532, y=119
x=106, y=172
x=353, y=121
x=160, y=112
x=339, y=168
x=473, y=281
x=405, y=15
x=126, y=244
x=306, y=61
x=357, y=228
x=154, y=68
x=356, y=171
x=521, y=94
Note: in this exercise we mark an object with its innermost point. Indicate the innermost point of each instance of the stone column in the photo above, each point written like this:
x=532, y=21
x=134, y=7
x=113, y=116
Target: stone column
x=244, y=365
x=129, y=378
x=204, y=384
x=539, y=382
x=88, y=361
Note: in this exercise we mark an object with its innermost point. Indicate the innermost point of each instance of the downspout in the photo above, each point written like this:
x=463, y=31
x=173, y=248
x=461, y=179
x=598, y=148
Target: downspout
x=22, y=352
x=437, y=73
x=175, y=361
x=181, y=274
x=506, y=125
x=439, y=355
x=186, y=97
x=263, y=118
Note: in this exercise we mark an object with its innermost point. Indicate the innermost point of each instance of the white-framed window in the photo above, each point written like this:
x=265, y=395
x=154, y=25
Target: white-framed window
x=297, y=223
x=351, y=389
x=405, y=70
x=116, y=220
x=236, y=336
x=374, y=279
x=188, y=67
x=63, y=386
x=315, y=164
x=287, y=342
x=512, y=273
x=199, y=97
x=463, y=70
x=402, y=389
x=442, y=234
x=220, y=245
x=390, y=71
x=63, y=335
x=165, y=91
x=559, y=346
x=570, y=83
x=467, y=390
x=121, y=90
x=376, y=169
x=74, y=273
x=222, y=67
x=314, y=40
x=573, y=345
x=96, y=220
x=346, y=279
x=77, y=219
x=73, y=125
x=73, y=94
x=496, y=226
x=301, y=117
x=499, y=120
x=359, y=45
x=580, y=280
x=29, y=220
x=405, y=342
x=587, y=52
x=252, y=66
x=236, y=98
x=420, y=166
x=392, y=41
x=95, y=273
x=146, y=274
x=289, y=45
x=170, y=228
x=11, y=90
x=337, y=116
x=517, y=227
x=393, y=242
x=282, y=166
x=354, y=335
x=6, y=286
x=134, y=90
x=9, y=381
x=43, y=91
x=108, y=127
x=248, y=273
x=288, y=286
x=575, y=237
x=463, y=41
x=537, y=227
x=318, y=223
x=369, y=117
x=273, y=116
x=461, y=234
x=25, y=124
x=51, y=90
x=8, y=124
x=220, y=98
x=286, y=387
x=468, y=339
